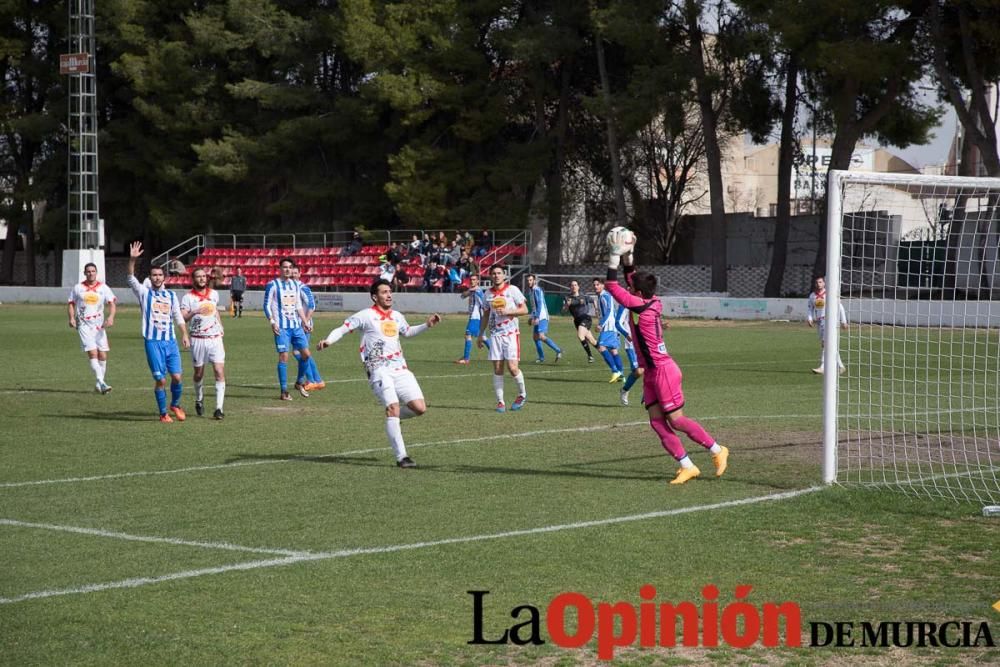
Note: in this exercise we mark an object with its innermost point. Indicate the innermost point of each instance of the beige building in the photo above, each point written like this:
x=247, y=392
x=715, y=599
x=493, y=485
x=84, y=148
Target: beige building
x=750, y=176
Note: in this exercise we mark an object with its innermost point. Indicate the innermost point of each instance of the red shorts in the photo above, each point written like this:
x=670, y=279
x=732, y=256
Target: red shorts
x=662, y=385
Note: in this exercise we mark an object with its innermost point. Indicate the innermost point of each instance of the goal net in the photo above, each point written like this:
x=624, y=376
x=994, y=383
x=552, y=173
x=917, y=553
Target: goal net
x=913, y=260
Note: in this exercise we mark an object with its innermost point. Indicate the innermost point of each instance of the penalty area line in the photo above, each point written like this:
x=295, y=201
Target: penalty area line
x=96, y=532
x=345, y=553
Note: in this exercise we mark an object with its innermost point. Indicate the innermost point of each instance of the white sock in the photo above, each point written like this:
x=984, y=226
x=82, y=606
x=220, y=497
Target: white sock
x=840, y=362
x=199, y=390
x=686, y=462
x=405, y=412
x=498, y=387
x=395, y=434
x=104, y=368
x=519, y=379
x=95, y=366
x=715, y=448
x=220, y=394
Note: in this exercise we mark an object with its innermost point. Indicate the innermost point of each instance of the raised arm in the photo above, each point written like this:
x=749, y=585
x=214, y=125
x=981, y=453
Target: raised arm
x=410, y=332
x=350, y=324
x=619, y=293
x=134, y=252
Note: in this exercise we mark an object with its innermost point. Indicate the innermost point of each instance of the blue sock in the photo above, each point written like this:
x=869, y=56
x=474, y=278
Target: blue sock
x=619, y=368
x=629, y=381
x=548, y=341
x=175, y=393
x=283, y=376
x=303, y=368
x=468, y=350
x=608, y=360
x=633, y=363
x=538, y=348
x=314, y=375
x=161, y=399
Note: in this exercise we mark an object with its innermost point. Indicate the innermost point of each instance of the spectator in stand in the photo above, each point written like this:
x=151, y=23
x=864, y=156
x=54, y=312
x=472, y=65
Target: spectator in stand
x=395, y=253
x=434, y=277
x=387, y=270
x=483, y=244
x=456, y=277
x=175, y=267
x=353, y=246
x=455, y=252
x=400, y=279
x=434, y=253
x=416, y=246
x=442, y=239
x=425, y=245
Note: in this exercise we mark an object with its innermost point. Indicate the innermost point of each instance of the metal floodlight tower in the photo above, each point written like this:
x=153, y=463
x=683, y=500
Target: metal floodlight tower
x=85, y=240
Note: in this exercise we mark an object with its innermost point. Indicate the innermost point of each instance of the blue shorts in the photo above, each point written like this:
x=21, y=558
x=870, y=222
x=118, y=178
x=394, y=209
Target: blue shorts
x=163, y=358
x=291, y=339
x=472, y=328
x=541, y=327
x=608, y=339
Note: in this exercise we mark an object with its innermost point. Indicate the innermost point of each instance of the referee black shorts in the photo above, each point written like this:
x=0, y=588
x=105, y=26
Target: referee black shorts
x=584, y=321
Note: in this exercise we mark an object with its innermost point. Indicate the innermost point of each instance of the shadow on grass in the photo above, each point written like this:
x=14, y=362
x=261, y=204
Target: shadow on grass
x=465, y=408
x=596, y=380
x=616, y=405
x=148, y=416
x=575, y=470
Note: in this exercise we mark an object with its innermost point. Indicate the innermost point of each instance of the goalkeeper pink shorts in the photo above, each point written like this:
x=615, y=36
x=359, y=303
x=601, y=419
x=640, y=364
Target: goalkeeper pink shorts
x=662, y=385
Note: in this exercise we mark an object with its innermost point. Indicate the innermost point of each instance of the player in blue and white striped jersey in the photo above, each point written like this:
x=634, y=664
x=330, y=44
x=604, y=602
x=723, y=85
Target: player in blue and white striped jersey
x=283, y=309
x=159, y=310
x=635, y=371
x=475, y=295
x=308, y=378
x=607, y=339
x=539, y=317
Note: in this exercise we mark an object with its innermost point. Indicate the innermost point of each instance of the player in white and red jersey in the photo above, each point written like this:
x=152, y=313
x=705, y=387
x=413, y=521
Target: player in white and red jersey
x=391, y=380
x=200, y=309
x=503, y=303
x=86, y=315
x=817, y=314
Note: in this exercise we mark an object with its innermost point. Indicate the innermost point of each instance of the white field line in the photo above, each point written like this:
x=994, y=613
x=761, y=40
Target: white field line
x=373, y=450
x=145, y=538
x=589, y=369
x=344, y=553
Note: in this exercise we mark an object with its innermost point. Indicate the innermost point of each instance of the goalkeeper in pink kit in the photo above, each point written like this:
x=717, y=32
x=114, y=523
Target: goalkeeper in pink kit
x=661, y=381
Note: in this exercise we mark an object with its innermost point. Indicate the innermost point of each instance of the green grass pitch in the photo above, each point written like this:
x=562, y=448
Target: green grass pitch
x=285, y=535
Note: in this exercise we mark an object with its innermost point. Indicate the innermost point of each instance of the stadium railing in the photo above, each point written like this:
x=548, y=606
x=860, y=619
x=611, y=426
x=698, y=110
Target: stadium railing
x=320, y=257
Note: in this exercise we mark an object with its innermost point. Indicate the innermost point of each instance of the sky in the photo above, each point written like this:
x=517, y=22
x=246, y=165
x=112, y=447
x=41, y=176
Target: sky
x=934, y=153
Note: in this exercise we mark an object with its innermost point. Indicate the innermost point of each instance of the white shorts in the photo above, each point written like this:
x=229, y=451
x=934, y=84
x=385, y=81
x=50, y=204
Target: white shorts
x=92, y=338
x=505, y=347
x=208, y=350
x=395, y=386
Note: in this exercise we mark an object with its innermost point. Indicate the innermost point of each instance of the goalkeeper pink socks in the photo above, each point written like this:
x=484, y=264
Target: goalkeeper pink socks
x=685, y=425
x=693, y=430
x=668, y=438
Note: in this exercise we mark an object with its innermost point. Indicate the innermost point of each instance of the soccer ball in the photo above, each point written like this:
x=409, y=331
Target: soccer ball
x=621, y=240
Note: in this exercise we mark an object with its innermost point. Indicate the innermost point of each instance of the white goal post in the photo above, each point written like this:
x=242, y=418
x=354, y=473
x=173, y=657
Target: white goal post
x=913, y=259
